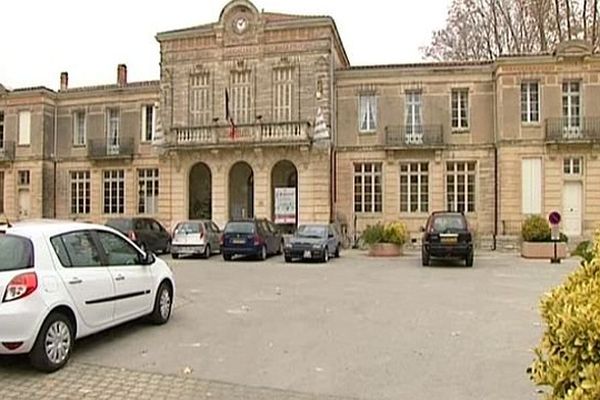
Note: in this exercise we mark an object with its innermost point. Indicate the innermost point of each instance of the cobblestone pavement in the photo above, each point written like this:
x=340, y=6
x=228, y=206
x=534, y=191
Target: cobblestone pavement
x=85, y=381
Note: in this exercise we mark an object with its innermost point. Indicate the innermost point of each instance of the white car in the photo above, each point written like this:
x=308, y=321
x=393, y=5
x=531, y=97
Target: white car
x=61, y=280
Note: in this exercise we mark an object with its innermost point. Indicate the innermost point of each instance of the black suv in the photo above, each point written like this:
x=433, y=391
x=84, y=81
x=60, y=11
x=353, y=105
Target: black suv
x=447, y=235
x=147, y=233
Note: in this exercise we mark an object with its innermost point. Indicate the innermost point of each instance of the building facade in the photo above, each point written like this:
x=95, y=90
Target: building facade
x=261, y=114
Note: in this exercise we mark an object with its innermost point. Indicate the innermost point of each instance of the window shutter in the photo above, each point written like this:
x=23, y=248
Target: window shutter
x=24, y=128
x=531, y=182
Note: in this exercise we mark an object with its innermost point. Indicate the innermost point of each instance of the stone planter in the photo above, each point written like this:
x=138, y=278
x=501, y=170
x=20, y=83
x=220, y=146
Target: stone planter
x=543, y=250
x=385, y=250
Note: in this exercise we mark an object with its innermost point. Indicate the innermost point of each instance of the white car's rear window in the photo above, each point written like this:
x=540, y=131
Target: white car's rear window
x=16, y=252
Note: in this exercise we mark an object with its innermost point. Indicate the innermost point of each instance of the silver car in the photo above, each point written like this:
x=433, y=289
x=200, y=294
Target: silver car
x=195, y=237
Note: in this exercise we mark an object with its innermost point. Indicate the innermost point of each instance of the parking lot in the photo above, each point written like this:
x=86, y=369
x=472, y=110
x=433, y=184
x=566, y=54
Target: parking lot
x=357, y=327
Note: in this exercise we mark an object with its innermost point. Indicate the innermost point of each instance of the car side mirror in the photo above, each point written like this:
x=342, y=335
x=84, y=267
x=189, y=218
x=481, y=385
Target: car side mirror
x=149, y=258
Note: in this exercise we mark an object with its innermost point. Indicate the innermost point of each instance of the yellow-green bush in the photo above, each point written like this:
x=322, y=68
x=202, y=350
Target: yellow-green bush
x=535, y=229
x=568, y=355
x=392, y=232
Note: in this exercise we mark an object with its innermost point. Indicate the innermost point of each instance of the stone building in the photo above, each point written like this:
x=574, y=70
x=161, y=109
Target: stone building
x=260, y=110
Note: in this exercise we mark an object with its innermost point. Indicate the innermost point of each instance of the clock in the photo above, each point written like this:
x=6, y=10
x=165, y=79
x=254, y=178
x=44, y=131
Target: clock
x=240, y=24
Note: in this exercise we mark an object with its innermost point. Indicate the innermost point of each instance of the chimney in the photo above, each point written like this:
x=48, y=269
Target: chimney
x=122, y=75
x=64, y=80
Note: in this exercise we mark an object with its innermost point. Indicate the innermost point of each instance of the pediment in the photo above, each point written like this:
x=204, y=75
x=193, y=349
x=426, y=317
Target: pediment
x=571, y=49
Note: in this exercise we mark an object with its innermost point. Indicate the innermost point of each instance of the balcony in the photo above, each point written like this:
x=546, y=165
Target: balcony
x=565, y=130
x=7, y=151
x=105, y=149
x=280, y=133
x=414, y=136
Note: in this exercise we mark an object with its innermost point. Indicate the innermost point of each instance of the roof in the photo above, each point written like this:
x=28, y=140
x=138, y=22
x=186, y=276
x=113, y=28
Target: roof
x=438, y=64
x=48, y=227
x=130, y=85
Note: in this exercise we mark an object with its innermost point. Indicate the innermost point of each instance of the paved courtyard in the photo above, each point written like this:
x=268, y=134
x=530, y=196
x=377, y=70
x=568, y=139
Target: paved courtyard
x=358, y=327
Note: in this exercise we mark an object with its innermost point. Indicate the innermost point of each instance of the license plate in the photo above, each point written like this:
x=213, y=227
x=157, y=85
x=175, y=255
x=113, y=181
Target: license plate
x=306, y=254
x=186, y=250
x=238, y=241
x=449, y=240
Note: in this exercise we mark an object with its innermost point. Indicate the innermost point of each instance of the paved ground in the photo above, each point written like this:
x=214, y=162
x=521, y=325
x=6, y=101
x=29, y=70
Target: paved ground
x=357, y=327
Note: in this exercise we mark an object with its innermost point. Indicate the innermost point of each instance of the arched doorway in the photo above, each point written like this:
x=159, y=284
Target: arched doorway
x=284, y=195
x=200, y=192
x=241, y=191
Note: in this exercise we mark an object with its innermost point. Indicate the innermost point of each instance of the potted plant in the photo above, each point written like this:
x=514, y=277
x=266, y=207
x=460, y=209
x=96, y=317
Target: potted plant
x=385, y=240
x=537, y=242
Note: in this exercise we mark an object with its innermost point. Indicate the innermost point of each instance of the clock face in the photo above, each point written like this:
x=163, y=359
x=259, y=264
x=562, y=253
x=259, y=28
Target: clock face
x=240, y=24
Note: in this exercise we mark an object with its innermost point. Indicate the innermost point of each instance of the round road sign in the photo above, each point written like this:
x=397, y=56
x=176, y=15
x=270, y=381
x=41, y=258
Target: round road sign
x=554, y=218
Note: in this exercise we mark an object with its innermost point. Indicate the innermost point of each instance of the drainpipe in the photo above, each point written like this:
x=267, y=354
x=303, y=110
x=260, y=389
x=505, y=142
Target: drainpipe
x=54, y=158
x=496, y=191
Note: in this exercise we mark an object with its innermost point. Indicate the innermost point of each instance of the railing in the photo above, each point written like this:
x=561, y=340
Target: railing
x=414, y=136
x=570, y=129
x=280, y=132
x=7, y=151
x=110, y=148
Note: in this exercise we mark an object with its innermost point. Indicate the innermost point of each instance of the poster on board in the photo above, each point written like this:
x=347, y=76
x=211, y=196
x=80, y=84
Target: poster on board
x=285, y=205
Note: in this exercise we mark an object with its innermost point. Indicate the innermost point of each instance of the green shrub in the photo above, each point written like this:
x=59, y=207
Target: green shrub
x=585, y=250
x=535, y=229
x=393, y=232
x=568, y=355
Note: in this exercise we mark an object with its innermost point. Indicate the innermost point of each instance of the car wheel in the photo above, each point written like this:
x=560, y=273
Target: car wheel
x=207, y=252
x=263, y=253
x=54, y=344
x=469, y=259
x=325, y=255
x=288, y=259
x=162, y=304
x=175, y=256
x=226, y=256
x=337, y=251
x=425, y=259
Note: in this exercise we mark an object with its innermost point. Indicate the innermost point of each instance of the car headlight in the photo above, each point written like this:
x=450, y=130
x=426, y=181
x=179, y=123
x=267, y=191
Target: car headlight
x=317, y=246
x=288, y=245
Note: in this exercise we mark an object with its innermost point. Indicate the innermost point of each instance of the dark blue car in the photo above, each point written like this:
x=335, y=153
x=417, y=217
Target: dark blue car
x=252, y=237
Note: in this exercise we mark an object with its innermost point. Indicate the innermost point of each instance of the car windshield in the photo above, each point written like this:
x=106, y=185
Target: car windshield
x=15, y=253
x=448, y=223
x=312, y=231
x=240, y=227
x=187, y=227
x=122, y=225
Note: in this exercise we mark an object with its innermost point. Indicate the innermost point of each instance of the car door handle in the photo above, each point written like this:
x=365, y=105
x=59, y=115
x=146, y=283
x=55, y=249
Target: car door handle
x=120, y=278
x=75, y=281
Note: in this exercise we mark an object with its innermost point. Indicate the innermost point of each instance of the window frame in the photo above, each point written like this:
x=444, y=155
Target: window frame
x=569, y=166
x=80, y=203
x=419, y=173
x=148, y=177
x=144, y=123
x=283, y=93
x=241, y=96
x=372, y=206
x=460, y=128
x=527, y=109
x=568, y=96
x=24, y=125
x=76, y=125
x=455, y=173
x=106, y=255
x=119, y=181
x=200, y=99
x=370, y=100
x=93, y=241
x=2, y=126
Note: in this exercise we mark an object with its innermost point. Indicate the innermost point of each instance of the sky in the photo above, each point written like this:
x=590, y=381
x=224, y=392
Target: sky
x=88, y=38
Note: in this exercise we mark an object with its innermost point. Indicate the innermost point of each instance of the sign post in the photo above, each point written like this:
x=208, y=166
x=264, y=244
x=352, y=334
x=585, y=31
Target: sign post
x=554, y=219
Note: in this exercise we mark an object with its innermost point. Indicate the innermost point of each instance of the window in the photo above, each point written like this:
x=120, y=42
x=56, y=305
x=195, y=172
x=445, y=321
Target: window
x=112, y=134
x=282, y=94
x=148, y=123
x=79, y=128
x=530, y=102
x=200, y=99
x=367, y=113
x=531, y=185
x=16, y=253
x=1, y=129
x=24, y=128
x=117, y=250
x=414, y=118
x=23, y=178
x=460, y=109
x=148, y=191
x=460, y=186
x=80, y=192
x=367, y=188
x=1, y=191
x=414, y=187
x=114, y=192
x=241, y=97
x=573, y=166
x=76, y=250
x=571, y=106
